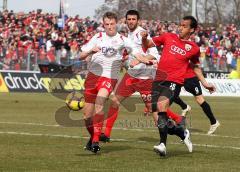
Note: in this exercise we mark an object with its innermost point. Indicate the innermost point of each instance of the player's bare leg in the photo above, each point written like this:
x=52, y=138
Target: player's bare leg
x=147, y=109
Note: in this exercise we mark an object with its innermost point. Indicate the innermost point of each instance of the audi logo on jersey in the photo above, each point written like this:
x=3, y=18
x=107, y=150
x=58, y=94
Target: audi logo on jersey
x=109, y=51
x=178, y=50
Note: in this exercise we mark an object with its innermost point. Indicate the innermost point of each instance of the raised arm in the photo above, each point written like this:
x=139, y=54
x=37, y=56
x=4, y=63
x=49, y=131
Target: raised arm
x=146, y=43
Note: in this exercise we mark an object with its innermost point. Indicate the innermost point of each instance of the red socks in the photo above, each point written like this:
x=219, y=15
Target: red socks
x=98, y=120
x=177, y=118
x=89, y=126
x=112, y=116
x=94, y=125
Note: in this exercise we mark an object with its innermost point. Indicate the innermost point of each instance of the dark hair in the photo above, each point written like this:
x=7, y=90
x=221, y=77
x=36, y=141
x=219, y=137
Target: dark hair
x=133, y=12
x=110, y=15
x=194, y=23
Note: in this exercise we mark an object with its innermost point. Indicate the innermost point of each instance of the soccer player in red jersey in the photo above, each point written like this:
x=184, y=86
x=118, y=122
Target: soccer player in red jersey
x=192, y=85
x=176, y=54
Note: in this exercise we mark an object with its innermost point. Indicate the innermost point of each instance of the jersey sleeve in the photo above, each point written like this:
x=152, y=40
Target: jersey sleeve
x=92, y=43
x=159, y=40
x=195, y=58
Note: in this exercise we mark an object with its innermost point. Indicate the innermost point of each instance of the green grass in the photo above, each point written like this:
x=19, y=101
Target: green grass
x=31, y=141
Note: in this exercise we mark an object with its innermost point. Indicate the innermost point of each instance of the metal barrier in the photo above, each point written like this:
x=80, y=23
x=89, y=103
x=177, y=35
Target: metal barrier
x=28, y=59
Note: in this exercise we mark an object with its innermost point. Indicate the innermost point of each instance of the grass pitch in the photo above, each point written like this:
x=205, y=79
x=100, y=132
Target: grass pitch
x=32, y=140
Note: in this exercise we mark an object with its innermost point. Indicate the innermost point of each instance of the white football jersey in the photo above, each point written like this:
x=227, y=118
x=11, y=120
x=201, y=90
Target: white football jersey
x=141, y=71
x=107, y=62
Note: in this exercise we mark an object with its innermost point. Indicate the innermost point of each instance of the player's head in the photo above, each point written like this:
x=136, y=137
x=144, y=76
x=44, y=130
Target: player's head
x=187, y=27
x=132, y=18
x=110, y=23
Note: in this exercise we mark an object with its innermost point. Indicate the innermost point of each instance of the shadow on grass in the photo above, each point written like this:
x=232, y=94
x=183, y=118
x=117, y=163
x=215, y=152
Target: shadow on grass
x=105, y=149
x=111, y=148
x=178, y=153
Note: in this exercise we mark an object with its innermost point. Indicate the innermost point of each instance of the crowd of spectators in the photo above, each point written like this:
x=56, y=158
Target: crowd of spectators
x=27, y=39
x=219, y=46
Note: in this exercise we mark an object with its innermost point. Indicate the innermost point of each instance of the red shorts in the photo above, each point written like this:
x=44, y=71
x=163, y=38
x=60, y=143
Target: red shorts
x=94, y=83
x=130, y=85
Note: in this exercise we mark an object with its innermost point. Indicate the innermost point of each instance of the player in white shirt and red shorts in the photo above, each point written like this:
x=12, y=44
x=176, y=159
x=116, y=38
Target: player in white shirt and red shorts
x=104, y=67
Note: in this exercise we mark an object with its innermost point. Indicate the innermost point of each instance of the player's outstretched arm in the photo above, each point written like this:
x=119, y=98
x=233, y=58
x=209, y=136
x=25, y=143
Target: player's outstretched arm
x=85, y=54
x=142, y=59
x=198, y=71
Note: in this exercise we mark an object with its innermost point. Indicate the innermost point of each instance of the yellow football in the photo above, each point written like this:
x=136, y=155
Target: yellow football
x=75, y=101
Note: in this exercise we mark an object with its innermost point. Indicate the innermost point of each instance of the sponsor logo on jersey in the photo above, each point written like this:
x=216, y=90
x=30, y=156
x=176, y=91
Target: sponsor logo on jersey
x=175, y=49
x=109, y=51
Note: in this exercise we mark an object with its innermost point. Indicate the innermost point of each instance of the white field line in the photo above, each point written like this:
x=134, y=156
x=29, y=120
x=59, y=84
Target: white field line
x=124, y=129
x=119, y=140
x=33, y=124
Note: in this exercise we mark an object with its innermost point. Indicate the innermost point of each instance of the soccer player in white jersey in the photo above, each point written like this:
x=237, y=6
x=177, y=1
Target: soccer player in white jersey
x=138, y=78
x=104, y=66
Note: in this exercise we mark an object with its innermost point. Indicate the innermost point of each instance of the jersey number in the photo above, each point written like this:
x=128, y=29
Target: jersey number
x=146, y=97
x=173, y=86
x=107, y=84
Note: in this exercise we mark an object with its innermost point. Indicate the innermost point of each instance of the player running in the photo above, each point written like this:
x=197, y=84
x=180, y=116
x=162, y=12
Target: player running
x=104, y=67
x=176, y=54
x=192, y=85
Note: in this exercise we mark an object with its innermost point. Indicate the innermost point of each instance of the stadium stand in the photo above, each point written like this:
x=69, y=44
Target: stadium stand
x=27, y=39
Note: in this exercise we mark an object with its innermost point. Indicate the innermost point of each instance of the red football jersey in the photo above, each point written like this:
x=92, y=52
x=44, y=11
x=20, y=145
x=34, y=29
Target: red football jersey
x=190, y=73
x=175, y=57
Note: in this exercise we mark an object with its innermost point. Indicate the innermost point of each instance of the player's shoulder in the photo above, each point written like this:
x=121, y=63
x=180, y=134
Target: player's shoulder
x=121, y=37
x=169, y=34
x=138, y=31
x=98, y=35
x=193, y=45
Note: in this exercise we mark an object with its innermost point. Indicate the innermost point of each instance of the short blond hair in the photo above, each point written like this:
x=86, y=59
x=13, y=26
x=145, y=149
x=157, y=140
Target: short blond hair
x=110, y=15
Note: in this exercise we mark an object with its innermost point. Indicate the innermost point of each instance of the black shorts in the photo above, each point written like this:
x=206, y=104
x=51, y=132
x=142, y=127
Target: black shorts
x=192, y=86
x=164, y=90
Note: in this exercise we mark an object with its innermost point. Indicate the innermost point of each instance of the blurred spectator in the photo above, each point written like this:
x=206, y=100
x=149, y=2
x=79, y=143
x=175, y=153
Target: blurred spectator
x=27, y=39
